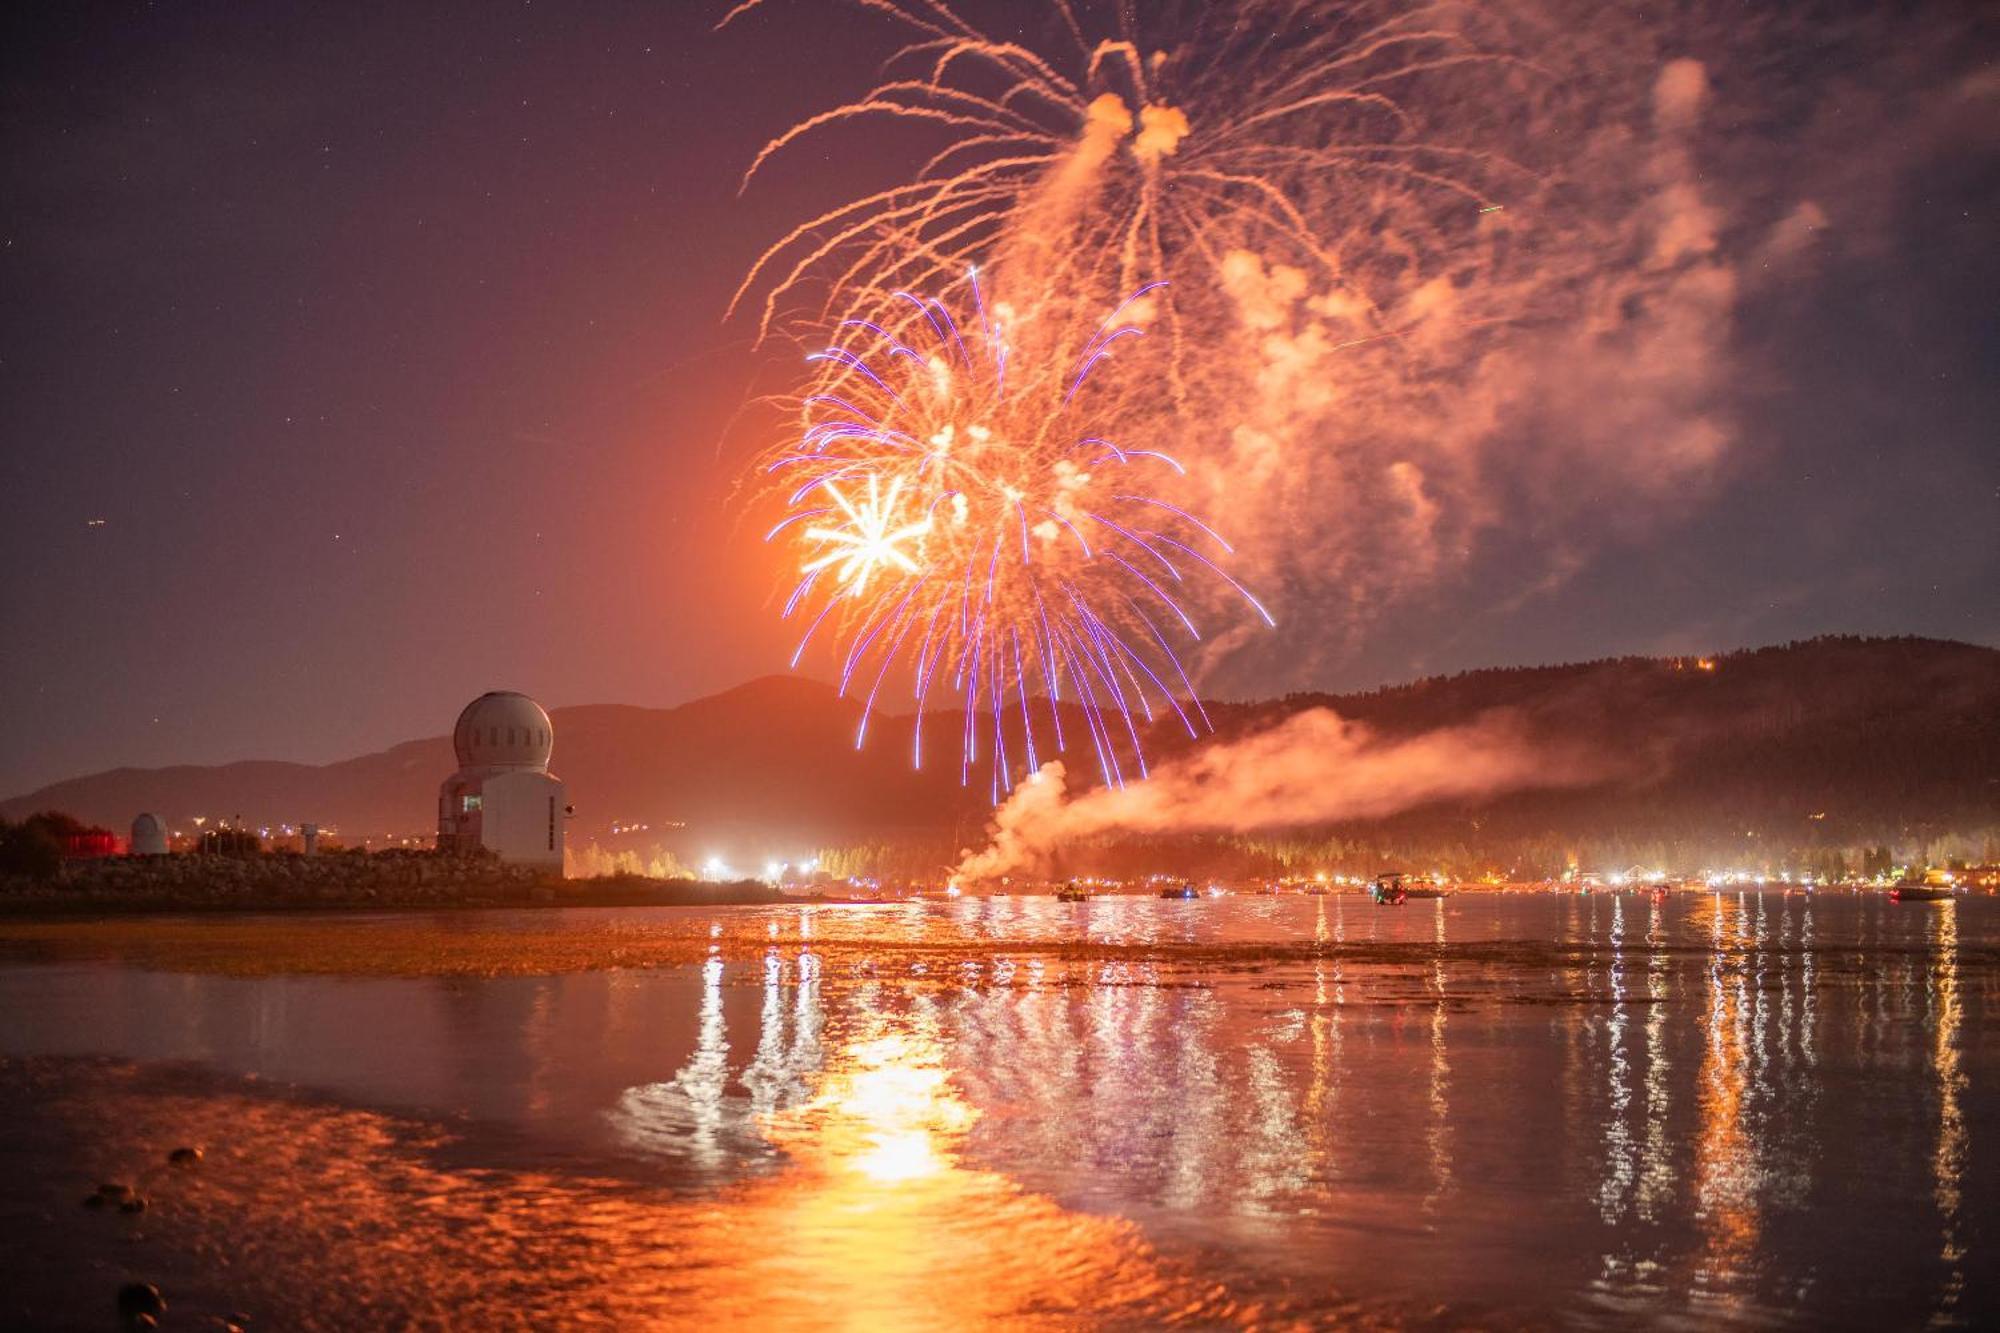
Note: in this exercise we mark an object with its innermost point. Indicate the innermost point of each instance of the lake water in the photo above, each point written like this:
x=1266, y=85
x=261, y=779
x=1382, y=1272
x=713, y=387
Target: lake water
x=1732, y=1109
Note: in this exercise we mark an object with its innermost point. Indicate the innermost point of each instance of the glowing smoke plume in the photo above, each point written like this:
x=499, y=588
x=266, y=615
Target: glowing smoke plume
x=1312, y=768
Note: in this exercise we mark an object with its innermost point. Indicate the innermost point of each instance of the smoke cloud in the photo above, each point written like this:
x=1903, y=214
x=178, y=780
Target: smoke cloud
x=1315, y=767
x=1559, y=374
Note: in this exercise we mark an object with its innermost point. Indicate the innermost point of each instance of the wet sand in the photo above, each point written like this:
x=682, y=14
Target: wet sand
x=426, y=1225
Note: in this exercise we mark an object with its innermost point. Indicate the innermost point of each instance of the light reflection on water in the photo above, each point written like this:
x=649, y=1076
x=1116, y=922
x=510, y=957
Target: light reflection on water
x=1949, y=1160
x=1717, y=1108
x=1727, y=1176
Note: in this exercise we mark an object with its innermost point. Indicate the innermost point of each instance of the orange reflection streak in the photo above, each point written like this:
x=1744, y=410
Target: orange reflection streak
x=1725, y=1168
x=879, y=1221
x=889, y=1113
x=1438, y=1138
x=1322, y=1100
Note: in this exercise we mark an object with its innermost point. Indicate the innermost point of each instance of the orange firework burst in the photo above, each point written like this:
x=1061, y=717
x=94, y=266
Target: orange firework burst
x=1092, y=168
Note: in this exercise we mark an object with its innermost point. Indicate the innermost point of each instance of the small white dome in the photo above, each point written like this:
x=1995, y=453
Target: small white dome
x=149, y=837
x=503, y=730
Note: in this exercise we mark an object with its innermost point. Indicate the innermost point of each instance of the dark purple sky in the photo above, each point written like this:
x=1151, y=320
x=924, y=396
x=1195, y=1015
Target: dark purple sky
x=361, y=358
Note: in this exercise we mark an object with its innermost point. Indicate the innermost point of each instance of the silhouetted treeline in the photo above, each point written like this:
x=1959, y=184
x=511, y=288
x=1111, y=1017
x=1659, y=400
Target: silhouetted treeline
x=35, y=847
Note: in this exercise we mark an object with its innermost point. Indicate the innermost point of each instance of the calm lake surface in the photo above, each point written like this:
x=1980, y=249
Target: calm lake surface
x=1731, y=1109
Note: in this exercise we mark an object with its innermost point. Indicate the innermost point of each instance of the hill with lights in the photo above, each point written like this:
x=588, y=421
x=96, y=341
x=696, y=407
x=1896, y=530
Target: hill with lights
x=1770, y=753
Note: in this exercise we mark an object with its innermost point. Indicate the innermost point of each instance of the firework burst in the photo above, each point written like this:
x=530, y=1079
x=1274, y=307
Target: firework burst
x=1097, y=165
x=966, y=516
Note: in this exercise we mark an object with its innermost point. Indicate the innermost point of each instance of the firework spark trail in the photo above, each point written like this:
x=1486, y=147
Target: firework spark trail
x=937, y=498
x=1075, y=176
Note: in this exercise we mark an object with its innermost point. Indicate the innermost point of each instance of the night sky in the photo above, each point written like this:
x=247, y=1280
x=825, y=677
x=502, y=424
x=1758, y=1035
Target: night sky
x=361, y=358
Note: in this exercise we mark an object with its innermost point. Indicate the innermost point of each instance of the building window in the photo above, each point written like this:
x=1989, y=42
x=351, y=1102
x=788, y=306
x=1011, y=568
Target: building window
x=471, y=803
x=552, y=823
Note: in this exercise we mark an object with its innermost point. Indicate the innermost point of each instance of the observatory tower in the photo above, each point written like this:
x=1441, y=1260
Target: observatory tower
x=149, y=837
x=503, y=797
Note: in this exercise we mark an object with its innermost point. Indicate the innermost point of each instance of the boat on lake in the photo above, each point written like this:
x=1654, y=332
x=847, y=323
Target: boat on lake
x=1920, y=891
x=1180, y=890
x=1072, y=892
x=1388, y=890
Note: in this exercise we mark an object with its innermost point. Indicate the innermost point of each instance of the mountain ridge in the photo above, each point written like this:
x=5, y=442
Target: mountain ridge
x=1880, y=732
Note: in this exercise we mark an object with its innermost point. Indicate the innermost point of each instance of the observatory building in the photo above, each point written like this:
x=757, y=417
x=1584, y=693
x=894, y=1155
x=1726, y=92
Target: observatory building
x=149, y=837
x=503, y=797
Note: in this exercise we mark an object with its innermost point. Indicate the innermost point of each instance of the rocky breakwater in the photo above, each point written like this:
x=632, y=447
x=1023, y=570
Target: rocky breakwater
x=275, y=881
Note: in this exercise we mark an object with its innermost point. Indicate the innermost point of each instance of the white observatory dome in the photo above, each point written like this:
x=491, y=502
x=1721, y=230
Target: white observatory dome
x=503, y=729
x=149, y=837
